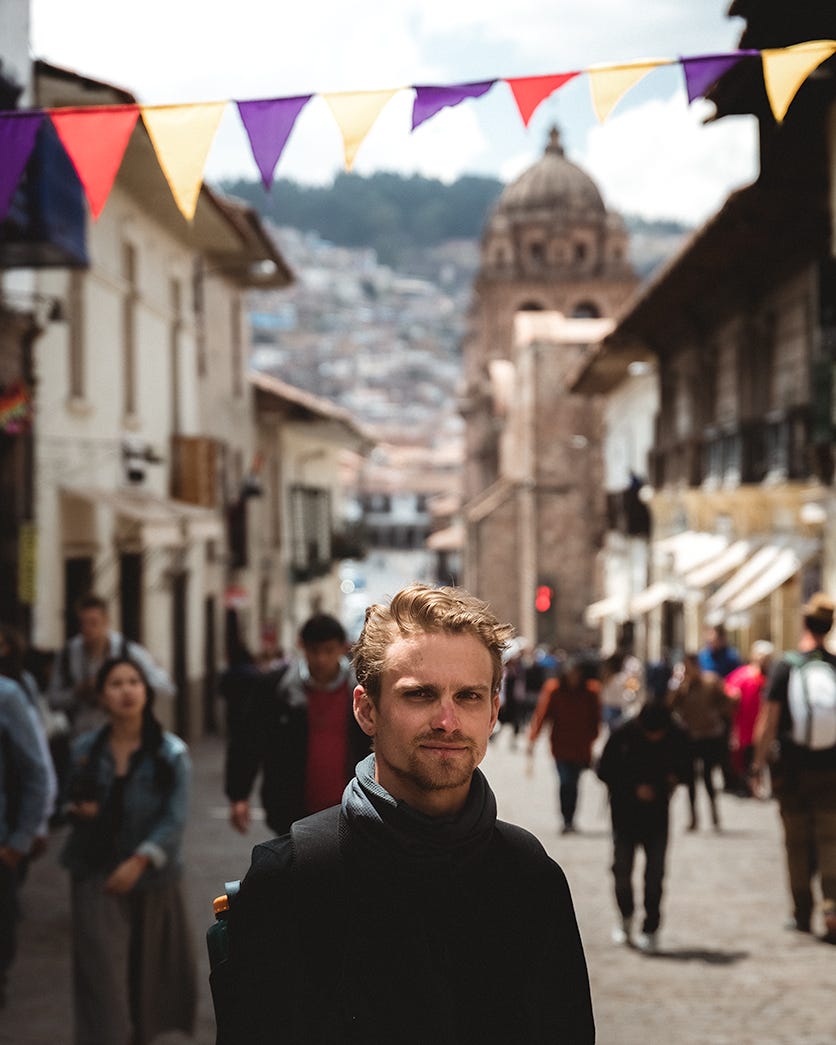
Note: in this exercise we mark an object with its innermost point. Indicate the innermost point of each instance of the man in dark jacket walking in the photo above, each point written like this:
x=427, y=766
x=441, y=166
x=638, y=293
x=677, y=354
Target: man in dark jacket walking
x=381, y=920
x=298, y=729
x=641, y=765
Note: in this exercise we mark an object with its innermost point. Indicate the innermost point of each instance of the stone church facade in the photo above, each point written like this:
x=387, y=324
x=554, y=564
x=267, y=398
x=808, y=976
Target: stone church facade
x=554, y=271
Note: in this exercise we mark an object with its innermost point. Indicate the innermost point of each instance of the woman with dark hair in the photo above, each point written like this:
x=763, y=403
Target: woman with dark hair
x=133, y=963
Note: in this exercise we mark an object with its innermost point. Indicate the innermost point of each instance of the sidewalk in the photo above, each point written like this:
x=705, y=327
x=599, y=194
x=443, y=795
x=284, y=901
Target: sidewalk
x=727, y=972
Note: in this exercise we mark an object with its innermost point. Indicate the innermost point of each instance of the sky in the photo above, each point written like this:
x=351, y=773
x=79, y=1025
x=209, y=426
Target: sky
x=654, y=156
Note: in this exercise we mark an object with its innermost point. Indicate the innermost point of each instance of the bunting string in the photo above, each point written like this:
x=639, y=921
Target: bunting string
x=96, y=137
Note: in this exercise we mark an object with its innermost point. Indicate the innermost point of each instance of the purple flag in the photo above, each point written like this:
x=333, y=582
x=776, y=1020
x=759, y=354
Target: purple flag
x=268, y=123
x=703, y=71
x=17, y=140
x=431, y=100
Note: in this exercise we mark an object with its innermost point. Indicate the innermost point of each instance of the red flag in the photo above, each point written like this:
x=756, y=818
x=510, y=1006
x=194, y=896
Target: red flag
x=95, y=140
x=529, y=91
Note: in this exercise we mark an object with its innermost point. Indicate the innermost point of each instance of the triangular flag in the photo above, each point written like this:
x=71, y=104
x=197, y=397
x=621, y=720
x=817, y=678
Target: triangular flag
x=182, y=136
x=355, y=114
x=609, y=83
x=529, y=91
x=268, y=123
x=431, y=100
x=17, y=140
x=95, y=140
x=704, y=70
x=785, y=69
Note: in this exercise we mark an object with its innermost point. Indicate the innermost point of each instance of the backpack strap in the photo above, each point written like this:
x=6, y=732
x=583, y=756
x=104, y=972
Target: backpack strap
x=316, y=843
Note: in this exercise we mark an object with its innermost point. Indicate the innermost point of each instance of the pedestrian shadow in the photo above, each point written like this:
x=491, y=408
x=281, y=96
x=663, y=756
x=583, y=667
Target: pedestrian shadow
x=699, y=954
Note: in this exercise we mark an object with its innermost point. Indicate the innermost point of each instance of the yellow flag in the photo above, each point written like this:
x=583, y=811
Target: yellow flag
x=182, y=136
x=786, y=68
x=355, y=113
x=609, y=83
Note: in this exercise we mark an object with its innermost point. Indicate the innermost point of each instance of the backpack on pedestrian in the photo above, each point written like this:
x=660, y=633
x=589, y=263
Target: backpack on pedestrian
x=811, y=694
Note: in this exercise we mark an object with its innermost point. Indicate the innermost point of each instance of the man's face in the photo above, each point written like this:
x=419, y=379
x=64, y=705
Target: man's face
x=93, y=624
x=433, y=718
x=323, y=660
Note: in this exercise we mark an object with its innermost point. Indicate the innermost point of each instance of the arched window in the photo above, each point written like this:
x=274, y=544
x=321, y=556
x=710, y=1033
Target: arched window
x=586, y=310
x=531, y=306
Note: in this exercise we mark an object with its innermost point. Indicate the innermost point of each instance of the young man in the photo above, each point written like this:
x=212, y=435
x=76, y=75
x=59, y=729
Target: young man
x=382, y=920
x=641, y=764
x=72, y=682
x=804, y=776
x=298, y=730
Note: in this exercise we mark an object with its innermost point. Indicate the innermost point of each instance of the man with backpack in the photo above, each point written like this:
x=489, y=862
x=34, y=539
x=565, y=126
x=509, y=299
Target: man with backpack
x=382, y=919
x=801, y=714
x=71, y=683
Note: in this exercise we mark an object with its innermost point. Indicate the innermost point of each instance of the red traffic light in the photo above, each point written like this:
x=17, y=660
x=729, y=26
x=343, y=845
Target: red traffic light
x=543, y=598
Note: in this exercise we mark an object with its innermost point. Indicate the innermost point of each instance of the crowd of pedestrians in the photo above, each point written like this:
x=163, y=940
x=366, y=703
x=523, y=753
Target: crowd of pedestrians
x=87, y=750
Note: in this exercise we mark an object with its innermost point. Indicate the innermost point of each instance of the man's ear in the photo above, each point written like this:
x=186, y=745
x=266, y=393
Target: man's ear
x=364, y=711
x=494, y=710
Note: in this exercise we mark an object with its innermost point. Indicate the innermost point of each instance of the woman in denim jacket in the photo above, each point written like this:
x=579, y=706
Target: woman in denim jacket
x=133, y=963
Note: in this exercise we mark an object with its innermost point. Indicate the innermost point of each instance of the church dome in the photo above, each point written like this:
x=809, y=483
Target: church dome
x=553, y=185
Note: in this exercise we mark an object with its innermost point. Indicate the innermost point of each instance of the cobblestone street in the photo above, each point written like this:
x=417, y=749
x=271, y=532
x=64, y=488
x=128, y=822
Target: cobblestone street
x=727, y=972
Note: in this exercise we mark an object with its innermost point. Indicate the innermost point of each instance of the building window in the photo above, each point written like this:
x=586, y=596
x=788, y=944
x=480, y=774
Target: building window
x=237, y=348
x=199, y=309
x=175, y=325
x=586, y=310
x=581, y=252
x=129, y=306
x=537, y=253
x=310, y=515
x=77, y=324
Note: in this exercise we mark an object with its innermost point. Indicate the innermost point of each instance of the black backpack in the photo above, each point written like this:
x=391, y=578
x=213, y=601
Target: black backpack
x=315, y=848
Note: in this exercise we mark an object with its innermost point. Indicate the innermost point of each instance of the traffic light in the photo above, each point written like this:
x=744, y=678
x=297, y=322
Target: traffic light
x=543, y=598
x=545, y=605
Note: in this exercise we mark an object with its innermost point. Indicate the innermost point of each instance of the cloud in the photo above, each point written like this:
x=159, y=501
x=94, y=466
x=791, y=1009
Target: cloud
x=660, y=161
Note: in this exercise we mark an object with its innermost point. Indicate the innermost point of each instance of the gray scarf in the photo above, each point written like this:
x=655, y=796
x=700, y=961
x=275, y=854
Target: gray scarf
x=390, y=832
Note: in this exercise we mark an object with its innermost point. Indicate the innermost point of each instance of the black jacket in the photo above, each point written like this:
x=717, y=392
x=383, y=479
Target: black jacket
x=629, y=760
x=268, y=732
x=432, y=955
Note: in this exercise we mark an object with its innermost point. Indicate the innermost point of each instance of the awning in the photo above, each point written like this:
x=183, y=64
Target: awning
x=729, y=559
x=786, y=564
x=689, y=549
x=650, y=598
x=156, y=521
x=613, y=606
x=450, y=539
x=766, y=570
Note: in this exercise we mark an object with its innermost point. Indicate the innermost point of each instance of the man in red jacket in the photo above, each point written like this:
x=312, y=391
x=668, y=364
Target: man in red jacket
x=572, y=704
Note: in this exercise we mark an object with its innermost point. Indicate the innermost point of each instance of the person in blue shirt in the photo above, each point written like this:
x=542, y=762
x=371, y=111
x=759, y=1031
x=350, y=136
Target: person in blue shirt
x=24, y=793
x=717, y=655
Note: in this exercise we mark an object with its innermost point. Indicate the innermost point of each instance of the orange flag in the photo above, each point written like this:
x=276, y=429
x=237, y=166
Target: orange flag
x=529, y=91
x=785, y=69
x=355, y=113
x=95, y=140
x=182, y=136
x=609, y=83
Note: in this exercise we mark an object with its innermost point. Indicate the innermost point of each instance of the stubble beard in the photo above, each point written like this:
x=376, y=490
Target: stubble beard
x=428, y=773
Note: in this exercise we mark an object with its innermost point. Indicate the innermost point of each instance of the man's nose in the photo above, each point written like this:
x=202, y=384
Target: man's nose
x=446, y=715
